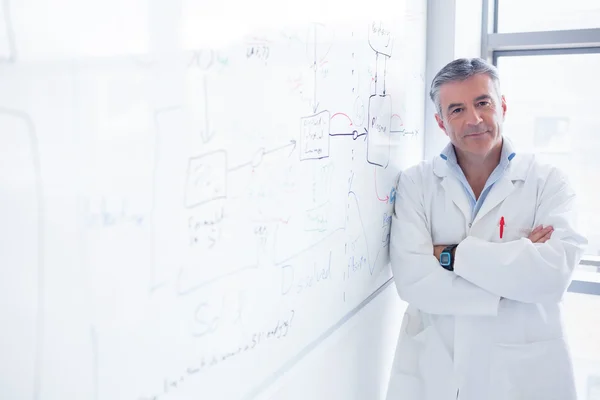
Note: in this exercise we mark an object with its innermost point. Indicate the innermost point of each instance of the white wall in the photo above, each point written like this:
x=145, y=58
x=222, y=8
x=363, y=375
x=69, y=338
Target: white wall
x=453, y=31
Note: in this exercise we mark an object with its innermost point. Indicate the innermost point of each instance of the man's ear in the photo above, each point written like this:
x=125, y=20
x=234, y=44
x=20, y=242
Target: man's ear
x=503, y=106
x=440, y=123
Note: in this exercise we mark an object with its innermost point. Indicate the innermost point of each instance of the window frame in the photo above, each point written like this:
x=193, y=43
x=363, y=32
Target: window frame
x=552, y=42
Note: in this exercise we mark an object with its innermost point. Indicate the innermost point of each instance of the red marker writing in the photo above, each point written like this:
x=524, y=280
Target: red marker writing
x=501, y=227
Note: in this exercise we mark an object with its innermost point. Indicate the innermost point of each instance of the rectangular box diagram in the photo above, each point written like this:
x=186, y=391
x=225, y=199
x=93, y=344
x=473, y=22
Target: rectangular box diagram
x=378, y=139
x=314, y=136
x=206, y=178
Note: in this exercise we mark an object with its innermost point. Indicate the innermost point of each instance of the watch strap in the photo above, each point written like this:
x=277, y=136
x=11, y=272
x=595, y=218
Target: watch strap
x=448, y=252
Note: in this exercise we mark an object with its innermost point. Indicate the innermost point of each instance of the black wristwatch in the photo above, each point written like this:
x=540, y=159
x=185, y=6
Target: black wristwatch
x=447, y=257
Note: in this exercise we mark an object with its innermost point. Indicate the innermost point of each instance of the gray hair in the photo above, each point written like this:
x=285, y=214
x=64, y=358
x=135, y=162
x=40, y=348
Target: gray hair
x=460, y=70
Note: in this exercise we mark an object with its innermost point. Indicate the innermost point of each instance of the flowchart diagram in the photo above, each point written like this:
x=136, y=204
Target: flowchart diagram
x=315, y=130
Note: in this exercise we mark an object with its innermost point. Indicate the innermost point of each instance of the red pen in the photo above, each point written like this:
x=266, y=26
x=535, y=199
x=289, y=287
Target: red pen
x=501, y=227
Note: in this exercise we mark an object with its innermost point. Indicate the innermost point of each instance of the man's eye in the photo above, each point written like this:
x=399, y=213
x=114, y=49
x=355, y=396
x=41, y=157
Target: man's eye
x=483, y=103
x=456, y=111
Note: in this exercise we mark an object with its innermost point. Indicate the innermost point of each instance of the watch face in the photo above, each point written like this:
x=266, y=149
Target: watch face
x=445, y=259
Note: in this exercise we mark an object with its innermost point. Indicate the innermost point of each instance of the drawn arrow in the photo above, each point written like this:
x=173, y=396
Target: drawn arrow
x=207, y=135
x=315, y=105
x=376, y=59
x=385, y=200
x=355, y=135
x=344, y=134
x=261, y=153
x=384, y=72
x=292, y=144
x=345, y=115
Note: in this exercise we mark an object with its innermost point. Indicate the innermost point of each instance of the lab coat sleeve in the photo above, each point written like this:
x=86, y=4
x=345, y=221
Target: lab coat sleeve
x=524, y=271
x=419, y=278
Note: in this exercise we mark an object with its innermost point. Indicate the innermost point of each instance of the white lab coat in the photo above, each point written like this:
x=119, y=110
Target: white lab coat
x=492, y=329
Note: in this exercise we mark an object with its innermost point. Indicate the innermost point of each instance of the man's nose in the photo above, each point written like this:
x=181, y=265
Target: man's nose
x=473, y=117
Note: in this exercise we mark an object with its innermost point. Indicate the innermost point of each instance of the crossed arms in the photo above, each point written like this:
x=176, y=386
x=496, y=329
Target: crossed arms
x=525, y=270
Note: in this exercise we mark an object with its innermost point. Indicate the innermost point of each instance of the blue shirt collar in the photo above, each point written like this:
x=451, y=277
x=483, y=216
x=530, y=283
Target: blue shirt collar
x=506, y=156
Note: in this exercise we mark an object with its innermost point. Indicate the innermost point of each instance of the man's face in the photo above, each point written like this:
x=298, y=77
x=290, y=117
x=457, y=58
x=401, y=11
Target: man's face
x=472, y=114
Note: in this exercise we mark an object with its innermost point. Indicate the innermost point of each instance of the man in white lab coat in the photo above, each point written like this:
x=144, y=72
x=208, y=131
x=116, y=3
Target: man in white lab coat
x=483, y=247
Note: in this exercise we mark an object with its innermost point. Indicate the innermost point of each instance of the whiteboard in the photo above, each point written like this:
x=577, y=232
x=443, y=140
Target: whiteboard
x=194, y=193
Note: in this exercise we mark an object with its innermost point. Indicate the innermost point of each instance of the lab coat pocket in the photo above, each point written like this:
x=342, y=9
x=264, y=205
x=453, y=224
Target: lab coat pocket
x=405, y=379
x=513, y=231
x=539, y=370
x=409, y=348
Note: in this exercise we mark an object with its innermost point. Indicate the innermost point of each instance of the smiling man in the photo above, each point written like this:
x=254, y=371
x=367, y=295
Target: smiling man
x=483, y=246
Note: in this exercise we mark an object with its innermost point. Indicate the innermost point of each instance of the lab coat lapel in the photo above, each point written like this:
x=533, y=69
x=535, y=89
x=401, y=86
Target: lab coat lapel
x=456, y=192
x=453, y=188
x=500, y=191
x=516, y=171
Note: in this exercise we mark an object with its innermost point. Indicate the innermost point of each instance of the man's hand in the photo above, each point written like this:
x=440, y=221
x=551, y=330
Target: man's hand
x=541, y=234
x=437, y=250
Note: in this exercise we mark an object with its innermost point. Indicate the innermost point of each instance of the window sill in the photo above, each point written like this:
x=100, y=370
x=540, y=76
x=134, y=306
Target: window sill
x=586, y=278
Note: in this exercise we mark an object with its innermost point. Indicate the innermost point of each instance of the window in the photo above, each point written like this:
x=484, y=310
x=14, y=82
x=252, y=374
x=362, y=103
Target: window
x=548, y=54
x=550, y=80
x=552, y=111
x=547, y=15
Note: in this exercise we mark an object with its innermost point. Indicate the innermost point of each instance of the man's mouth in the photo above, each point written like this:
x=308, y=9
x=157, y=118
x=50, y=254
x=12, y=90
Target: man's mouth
x=475, y=134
